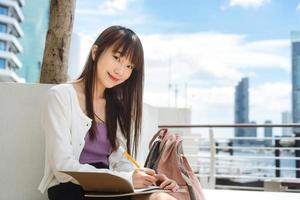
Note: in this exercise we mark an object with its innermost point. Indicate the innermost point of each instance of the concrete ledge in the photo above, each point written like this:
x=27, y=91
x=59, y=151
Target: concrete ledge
x=22, y=140
x=249, y=195
x=22, y=146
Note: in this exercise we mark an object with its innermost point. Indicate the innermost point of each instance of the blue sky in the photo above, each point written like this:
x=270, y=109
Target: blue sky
x=268, y=19
x=207, y=46
x=274, y=19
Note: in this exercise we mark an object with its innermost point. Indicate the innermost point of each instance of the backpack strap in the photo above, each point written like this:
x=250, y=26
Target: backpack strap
x=161, y=133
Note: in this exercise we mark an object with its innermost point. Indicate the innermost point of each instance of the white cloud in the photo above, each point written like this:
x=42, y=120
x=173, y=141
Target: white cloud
x=248, y=3
x=213, y=96
x=216, y=104
x=218, y=59
x=107, y=7
x=270, y=46
x=214, y=55
x=268, y=99
x=188, y=54
x=212, y=64
x=212, y=105
x=298, y=7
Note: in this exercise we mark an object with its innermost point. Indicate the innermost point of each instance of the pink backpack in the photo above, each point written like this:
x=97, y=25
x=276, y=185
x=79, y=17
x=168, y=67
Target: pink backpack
x=166, y=157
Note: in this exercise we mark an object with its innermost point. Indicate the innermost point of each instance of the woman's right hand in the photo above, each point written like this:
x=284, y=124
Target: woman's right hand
x=143, y=177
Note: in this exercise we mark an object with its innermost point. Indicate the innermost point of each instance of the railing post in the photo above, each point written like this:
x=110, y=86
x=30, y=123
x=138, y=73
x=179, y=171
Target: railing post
x=277, y=160
x=297, y=154
x=230, y=144
x=217, y=145
x=212, y=179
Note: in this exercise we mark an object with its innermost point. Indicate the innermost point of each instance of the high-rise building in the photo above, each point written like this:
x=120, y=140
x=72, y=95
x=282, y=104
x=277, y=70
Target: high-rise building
x=268, y=132
x=11, y=17
x=35, y=28
x=252, y=132
x=286, y=118
x=295, y=40
x=241, y=107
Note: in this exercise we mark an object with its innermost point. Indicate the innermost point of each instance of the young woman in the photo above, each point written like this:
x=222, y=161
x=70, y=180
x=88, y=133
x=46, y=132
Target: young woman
x=89, y=121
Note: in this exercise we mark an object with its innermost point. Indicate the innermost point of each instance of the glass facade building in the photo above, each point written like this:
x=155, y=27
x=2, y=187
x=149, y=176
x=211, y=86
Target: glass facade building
x=295, y=43
x=11, y=18
x=35, y=28
x=295, y=39
x=286, y=118
x=241, y=108
x=268, y=132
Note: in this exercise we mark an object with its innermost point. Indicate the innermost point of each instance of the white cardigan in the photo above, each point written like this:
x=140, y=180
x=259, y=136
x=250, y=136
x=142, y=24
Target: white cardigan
x=65, y=126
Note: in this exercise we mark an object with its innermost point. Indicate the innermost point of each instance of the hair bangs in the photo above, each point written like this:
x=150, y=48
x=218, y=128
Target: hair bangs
x=131, y=48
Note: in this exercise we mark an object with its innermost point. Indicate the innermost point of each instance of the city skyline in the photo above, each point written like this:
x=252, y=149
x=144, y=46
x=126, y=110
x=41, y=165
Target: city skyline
x=209, y=51
x=204, y=60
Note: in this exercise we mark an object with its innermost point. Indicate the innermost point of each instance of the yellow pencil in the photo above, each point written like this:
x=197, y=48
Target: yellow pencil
x=131, y=159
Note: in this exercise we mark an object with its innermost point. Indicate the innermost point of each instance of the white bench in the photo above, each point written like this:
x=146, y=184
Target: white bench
x=22, y=140
x=22, y=146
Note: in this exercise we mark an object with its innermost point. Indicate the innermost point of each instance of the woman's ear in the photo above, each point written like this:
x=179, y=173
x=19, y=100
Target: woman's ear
x=94, y=49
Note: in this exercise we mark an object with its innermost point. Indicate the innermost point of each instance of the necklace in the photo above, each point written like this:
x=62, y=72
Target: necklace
x=99, y=118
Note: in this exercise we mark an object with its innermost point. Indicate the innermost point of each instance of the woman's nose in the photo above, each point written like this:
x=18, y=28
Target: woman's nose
x=119, y=69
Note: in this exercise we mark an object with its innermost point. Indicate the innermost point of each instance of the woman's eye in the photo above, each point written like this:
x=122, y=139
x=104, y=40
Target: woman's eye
x=117, y=58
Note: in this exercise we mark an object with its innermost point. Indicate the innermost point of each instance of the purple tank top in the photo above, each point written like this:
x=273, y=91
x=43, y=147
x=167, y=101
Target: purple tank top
x=98, y=149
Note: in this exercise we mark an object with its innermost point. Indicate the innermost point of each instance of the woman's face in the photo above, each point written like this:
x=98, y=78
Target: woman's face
x=112, y=68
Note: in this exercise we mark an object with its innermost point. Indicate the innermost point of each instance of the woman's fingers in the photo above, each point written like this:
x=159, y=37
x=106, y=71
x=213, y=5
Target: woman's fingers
x=150, y=179
x=148, y=171
x=147, y=183
x=143, y=177
x=172, y=185
x=176, y=188
x=149, y=175
x=169, y=184
x=165, y=183
x=161, y=177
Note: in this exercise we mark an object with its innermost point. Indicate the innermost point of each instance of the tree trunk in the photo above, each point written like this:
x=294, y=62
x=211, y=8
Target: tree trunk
x=55, y=61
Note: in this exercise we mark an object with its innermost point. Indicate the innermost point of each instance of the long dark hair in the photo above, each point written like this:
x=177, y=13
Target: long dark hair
x=124, y=101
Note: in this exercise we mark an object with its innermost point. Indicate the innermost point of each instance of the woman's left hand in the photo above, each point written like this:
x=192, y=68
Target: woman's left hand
x=166, y=183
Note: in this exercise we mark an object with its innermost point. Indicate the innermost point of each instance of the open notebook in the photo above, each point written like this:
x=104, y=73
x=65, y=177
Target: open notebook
x=105, y=184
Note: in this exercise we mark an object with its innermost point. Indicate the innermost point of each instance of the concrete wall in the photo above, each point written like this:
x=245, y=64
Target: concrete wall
x=175, y=116
x=178, y=116
x=22, y=141
x=149, y=128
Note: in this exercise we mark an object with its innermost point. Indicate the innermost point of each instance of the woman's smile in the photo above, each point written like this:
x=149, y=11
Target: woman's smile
x=112, y=77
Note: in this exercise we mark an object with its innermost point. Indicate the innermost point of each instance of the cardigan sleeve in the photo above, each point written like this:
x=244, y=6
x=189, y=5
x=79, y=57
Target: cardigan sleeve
x=55, y=121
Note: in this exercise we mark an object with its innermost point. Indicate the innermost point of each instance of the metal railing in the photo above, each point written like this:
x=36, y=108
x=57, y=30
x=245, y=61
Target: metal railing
x=212, y=164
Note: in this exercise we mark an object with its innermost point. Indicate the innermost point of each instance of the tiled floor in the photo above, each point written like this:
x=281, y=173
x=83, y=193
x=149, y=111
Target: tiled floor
x=249, y=195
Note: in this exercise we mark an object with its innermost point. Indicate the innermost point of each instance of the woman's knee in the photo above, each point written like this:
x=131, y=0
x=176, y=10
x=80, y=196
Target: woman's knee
x=161, y=196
